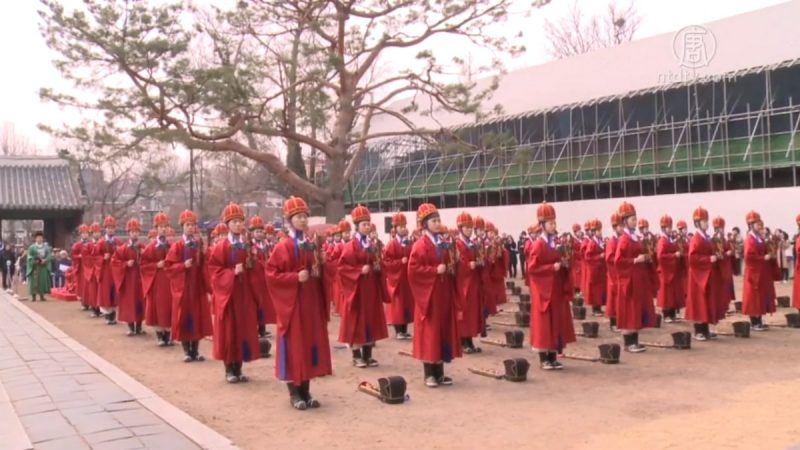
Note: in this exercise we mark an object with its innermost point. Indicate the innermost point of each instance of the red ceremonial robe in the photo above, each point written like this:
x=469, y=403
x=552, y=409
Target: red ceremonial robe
x=487, y=286
x=612, y=283
x=796, y=282
x=156, y=285
x=302, y=351
x=551, y=292
x=400, y=310
x=671, y=294
x=635, y=308
x=76, y=253
x=576, y=263
x=758, y=292
x=266, y=311
x=89, y=269
x=330, y=282
x=705, y=282
x=727, y=293
x=107, y=295
x=191, y=318
x=594, y=272
x=363, y=320
x=526, y=248
x=468, y=290
x=235, y=302
x=435, y=307
x=128, y=282
x=499, y=271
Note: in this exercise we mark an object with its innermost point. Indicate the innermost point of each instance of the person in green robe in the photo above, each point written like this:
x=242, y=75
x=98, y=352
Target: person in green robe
x=40, y=257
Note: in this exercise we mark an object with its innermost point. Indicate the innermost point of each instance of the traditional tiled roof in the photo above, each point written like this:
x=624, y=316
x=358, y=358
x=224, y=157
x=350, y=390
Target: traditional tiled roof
x=38, y=183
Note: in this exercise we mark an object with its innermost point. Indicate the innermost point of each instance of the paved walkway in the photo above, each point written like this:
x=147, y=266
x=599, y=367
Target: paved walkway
x=56, y=394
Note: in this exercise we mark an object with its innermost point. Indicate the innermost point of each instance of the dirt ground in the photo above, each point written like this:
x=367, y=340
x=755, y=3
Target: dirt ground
x=731, y=393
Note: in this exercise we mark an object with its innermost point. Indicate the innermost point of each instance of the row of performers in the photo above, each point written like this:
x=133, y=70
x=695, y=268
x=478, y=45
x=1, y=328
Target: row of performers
x=441, y=275
x=626, y=271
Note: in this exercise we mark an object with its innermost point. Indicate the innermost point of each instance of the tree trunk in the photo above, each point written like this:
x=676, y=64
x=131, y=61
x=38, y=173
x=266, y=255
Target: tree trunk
x=294, y=153
x=334, y=205
x=294, y=158
x=334, y=209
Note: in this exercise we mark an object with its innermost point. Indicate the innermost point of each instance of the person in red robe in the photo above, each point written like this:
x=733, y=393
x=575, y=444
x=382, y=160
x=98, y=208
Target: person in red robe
x=796, y=281
x=333, y=251
x=294, y=279
x=232, y=271
x=468, y=284
x=400, y=309
x=125, y=270
x=594, y=268
x=76, y=253
x=89, y=268
x=107, y=295
x=551, y=288
x=155, y=282
x=682, y=276
x=758, y=296
x=336, y=253
x=726, y=264
x=363, y=292
x=499, y=268
x=436, y=313
x=186, y=269
x=260, y=249
x=705, y=279
x=671, y=296
x=635, y=309
x=488, y=294
x=649, y=242
x=576, y=263
x=612, y=282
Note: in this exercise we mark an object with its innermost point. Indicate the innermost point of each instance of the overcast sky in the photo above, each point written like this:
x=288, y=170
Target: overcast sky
x=27, y=67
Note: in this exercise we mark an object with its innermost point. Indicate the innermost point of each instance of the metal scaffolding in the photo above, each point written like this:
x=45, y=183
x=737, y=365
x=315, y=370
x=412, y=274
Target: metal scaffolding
x=737, y=131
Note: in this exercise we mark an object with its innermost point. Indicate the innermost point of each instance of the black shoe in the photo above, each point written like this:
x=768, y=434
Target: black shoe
x=131, y=330
x=139, y=330
x=295, y=399
x=194, y=347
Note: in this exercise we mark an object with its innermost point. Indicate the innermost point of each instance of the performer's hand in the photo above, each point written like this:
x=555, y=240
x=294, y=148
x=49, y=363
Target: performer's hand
x=441, y=268
x=365, y=269
x=729, y=253
x=639, y=259
x=160, y=264
x=472, y=265
x=404, y=260
x=106, y=255
x=302, y=276
x=460, y=315
x=557, y=266
x=678, y=254
x=239, y=268
x=130, y=263
x=767, y=257
x=713, y=258
x=188, y=263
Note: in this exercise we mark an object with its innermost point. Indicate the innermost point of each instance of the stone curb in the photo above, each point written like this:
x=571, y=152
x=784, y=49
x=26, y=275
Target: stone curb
x=200, y=433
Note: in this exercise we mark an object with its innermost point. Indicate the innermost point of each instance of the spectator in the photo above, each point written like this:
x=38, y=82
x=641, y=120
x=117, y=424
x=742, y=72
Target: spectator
x=6, y=262
x=738, y=246
x=22, y=264
x=511, y=246
x=61, y=264
x=785, y=251
x=521, y=250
